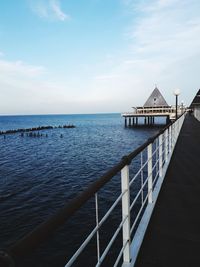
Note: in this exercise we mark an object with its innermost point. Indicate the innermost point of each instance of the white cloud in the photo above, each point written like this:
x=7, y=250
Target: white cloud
x=20, y=68
x=168, y=32
x=49, y=9
x=164, y=49
x=30, y=89
x=105, y=77
x=155, y=5
x=57, y=10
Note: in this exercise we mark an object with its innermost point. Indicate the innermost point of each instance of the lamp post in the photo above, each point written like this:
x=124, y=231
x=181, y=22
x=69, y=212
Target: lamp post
x=176, y=93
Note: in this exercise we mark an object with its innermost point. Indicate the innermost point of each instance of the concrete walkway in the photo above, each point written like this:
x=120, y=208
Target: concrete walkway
x=173, y=235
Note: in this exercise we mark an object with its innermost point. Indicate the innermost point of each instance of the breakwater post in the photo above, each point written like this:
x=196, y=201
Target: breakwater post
x=40, y=128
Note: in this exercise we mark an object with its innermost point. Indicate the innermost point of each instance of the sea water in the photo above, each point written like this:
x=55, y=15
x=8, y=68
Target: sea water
x=38, y=175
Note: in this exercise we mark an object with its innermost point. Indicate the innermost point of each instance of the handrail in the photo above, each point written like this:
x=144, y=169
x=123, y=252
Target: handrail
x=33, y=239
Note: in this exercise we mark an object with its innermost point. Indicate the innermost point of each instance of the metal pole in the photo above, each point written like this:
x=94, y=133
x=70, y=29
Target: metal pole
x=160, y=155
x=176, y=106
x=150, y=174
x=173, y=136
x=126, y=213
x=97, y=224
x=142, y=178
x=166, y=146
x=170, y=140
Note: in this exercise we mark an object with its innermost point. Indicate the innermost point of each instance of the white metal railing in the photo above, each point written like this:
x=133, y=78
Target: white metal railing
x=153, y=163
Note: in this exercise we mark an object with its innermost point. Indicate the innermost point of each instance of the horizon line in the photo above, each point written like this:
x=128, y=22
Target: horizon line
x=59, y=114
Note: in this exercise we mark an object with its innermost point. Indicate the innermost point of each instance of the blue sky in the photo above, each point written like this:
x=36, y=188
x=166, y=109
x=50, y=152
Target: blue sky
x=73, y=56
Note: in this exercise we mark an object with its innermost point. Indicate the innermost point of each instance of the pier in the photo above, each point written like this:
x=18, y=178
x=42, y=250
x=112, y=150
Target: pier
x=155, y=106
x=173, y=235
x=158, y=203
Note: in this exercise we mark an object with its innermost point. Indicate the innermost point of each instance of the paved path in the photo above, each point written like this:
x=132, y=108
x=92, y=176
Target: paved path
x=173, y=235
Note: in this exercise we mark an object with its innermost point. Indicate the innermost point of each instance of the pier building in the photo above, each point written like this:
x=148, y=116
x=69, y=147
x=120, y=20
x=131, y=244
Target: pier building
x=155, y=106
x=195, y=106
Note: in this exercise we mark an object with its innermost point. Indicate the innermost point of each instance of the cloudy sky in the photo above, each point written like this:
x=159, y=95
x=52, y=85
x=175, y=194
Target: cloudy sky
x=73, y=56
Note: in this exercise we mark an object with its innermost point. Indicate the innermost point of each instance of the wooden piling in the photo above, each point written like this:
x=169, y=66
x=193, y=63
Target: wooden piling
x=129, y=121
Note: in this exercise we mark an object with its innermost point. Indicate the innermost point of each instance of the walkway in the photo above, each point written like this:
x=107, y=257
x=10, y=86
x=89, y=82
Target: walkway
x=173, y=235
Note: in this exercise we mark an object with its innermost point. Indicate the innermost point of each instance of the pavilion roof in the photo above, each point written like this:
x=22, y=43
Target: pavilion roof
x=156, y=99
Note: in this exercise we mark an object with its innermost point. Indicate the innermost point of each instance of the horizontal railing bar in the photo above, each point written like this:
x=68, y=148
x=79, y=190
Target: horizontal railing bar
x=155, y=165
x=138, y=215
x=120, y=254
x=157, y=161
x=139, y=171
x=154, y=181
x=83, y=245
x=138, y=194
x=111, y=242
x=146, y=162
x=143, y=204
x=155, y=151
x=87, y=240
x=153, y=168
x=136, y=175
x=33, y=239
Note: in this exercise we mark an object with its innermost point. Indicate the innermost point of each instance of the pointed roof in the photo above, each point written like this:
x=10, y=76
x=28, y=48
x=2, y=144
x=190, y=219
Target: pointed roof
x=196, y=100
x=156, y=99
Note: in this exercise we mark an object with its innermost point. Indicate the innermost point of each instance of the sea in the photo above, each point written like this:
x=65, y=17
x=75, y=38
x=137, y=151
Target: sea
x=39, y=175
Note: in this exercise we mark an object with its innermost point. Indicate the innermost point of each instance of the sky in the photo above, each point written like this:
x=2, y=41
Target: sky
x=96, y=56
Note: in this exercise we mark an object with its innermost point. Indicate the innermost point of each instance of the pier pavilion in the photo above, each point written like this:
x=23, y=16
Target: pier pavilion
x=155, y=106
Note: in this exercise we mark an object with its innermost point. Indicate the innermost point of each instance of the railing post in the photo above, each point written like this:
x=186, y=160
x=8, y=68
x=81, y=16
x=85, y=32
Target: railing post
x=173, y=135
x=160, y=155
x=126, y=213
x=142, y=178
x=166, y=146
x=170, y=139
x=97, y=224
x=178, y=127
x=150, y=174
x=176, y=130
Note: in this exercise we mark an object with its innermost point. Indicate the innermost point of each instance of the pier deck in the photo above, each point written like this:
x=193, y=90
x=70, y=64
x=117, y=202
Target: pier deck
x=173, y=234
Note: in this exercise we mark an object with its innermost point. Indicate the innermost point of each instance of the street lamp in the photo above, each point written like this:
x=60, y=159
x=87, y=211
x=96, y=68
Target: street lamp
x=176, y=93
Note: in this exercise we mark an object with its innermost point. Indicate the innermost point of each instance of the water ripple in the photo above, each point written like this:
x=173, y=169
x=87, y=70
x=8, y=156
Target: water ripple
x=39, y=175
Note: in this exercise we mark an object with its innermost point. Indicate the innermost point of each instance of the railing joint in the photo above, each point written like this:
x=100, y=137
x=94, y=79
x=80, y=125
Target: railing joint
x=126, y=160
x=151, y=140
